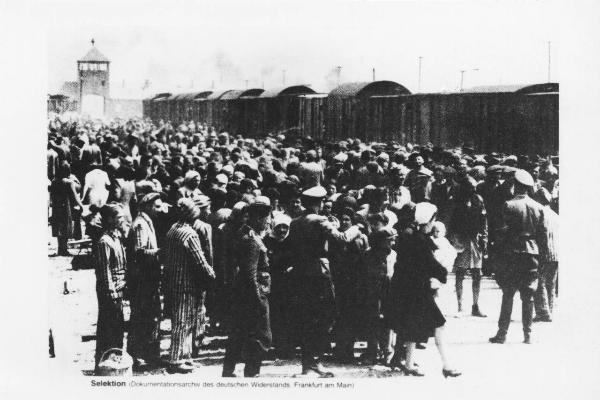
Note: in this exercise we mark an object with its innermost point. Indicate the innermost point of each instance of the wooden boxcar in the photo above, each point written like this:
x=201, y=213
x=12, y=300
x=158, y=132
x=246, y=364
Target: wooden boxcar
x=347, y=106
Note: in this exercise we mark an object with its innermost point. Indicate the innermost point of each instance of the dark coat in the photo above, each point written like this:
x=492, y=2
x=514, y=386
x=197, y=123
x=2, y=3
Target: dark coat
x=250, y=306
x=413, y=312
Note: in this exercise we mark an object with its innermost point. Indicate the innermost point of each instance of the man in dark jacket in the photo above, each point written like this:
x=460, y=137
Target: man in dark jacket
x=311, y=276
x=251, y=330
x=522, y=236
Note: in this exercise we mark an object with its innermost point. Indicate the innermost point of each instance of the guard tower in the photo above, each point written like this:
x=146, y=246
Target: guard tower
x=94, y=88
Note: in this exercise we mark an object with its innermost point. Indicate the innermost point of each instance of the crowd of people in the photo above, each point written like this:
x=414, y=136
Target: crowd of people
x=283, y=242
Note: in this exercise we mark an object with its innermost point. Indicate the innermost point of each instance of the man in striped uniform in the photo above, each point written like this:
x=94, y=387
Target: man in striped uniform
x=110, y=280
x=187, y=276
x=204, y=232
x=144, y=279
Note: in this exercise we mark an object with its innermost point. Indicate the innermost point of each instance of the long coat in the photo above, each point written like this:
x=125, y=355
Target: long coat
x=312, y=287
x=250, y=306
x=413, y=312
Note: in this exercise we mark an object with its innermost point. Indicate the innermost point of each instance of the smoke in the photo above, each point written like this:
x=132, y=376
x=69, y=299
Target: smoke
x=333, y=78
x=227, y=70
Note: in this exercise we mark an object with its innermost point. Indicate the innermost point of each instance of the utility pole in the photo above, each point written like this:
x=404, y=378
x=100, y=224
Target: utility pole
x=549, y=60
x=462, y=76
x=419, y=85
x=339, y=74
x=373, y=74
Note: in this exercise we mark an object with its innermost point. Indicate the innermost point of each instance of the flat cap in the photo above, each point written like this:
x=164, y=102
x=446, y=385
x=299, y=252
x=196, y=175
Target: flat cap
x=316, y=192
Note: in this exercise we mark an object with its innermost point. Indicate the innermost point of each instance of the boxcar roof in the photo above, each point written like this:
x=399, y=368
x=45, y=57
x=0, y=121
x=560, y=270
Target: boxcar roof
x=220, y=93
x=517, y=88
x=368, y=89
x=252, y=92
x=287, y=91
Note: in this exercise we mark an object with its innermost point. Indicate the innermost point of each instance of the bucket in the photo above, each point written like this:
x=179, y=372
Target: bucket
x=115, y=362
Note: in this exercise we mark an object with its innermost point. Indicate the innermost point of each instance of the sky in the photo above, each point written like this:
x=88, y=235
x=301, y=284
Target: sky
x=189, y=46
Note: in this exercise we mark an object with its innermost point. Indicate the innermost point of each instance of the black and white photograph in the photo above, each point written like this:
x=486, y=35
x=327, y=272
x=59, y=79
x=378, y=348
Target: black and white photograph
x=307, y=197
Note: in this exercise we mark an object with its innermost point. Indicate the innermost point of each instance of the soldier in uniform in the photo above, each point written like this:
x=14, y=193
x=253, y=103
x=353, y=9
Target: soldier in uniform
x=251, y=330
x=311, y=278
x=522, y=236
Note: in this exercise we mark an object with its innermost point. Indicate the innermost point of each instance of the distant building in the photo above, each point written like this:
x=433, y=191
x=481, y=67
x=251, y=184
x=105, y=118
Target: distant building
x=93, y=71
x=90, y=95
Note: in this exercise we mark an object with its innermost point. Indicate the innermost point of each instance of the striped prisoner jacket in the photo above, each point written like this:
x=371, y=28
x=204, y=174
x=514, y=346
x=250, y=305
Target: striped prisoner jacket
x=186, y=268
x=111, y=265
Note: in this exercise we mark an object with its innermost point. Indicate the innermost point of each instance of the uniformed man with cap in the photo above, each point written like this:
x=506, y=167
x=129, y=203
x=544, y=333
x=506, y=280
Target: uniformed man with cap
x=521, y=237
x=311, y=278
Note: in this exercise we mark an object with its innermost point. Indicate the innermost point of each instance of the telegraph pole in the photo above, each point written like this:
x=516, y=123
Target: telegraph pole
x=549, y=60
x=373, y=74
x=419, y=86
x=462, y=76
x=339, y=74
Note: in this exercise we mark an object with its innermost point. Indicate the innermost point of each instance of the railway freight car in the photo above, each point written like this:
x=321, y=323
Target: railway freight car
x=229, y=110
x=275, y=110
x=347, y=107
x=521, y=119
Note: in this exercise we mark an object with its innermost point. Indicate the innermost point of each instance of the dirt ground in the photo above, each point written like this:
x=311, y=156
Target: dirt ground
x=72, y=308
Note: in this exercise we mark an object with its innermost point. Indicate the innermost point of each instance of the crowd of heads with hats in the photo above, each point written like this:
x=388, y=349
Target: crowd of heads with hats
x=228, y=169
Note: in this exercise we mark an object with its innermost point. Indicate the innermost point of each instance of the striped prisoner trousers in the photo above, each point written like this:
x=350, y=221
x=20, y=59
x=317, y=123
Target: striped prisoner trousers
x=186, y=315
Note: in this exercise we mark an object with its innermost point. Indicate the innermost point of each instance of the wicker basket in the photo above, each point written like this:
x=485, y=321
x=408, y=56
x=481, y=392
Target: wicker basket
x=108, y=366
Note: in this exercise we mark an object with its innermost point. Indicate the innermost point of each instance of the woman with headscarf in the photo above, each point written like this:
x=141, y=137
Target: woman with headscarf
x=65, y=204
x=413, y=312
x=279, y=261
x=191, y=183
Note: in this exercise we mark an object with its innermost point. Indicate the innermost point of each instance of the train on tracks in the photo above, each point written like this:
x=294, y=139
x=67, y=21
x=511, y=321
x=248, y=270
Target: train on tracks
x=520, y=119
